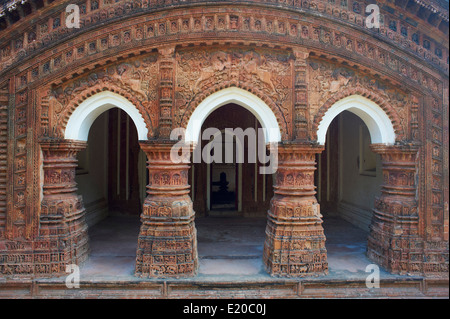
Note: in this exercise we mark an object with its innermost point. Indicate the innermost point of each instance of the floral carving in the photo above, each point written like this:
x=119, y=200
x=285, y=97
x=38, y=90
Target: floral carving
x=136, y=79
x=269, y=72
x=330, y=83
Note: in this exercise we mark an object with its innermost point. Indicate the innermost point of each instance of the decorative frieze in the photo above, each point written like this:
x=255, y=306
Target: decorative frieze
x=17, y=181
x=54, y=28
x=266, y=73
x=166, y=88
x=135, y=79
x=301, y=109
x=4, y=101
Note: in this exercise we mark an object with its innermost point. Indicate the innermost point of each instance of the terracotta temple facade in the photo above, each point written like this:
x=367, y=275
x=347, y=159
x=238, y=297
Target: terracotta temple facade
x=293, y=66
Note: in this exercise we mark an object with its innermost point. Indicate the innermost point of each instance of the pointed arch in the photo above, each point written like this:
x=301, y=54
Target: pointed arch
x=373, y=100
x=84, y=115
x=236, y=95
x=377, y=121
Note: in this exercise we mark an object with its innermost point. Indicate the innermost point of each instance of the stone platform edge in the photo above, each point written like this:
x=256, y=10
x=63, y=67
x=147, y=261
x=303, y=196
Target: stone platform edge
x=180, y=289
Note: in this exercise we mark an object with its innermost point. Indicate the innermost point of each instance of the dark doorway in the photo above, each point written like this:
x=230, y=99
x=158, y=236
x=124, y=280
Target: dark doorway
x=123, y=162
x=231, y=188
x=109, y=169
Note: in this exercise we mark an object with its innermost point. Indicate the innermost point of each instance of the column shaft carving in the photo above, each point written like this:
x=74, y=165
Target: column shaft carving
x=295, y=242
x=166, y=82
x=301, y=110
x=167, y=244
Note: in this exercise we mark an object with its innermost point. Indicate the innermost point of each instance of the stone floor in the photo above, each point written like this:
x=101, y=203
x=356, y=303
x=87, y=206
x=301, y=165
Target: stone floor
x=228, y=247
x=230, y=257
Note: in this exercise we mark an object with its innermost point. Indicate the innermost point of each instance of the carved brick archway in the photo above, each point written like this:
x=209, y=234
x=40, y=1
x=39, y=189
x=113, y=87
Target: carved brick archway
x=250, y=93
x=63, y=228
x=373, y=97
x=83, y=116
x=244, y=98
x=393, y=240
x=376, y=120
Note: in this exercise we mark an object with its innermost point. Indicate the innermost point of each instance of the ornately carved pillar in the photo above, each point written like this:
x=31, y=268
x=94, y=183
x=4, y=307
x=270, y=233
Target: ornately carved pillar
x=295, y=241
x=166, y=87
x=167, y=244
x=394, y=242
x=63, y=237
x=301, y=95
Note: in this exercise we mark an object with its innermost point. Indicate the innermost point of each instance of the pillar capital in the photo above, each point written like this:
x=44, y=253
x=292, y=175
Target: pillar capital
x=59, y=164
x=61, y=148
x=399, y=170
x=167, y=51
x=292, y=151
x=402, y=153
x=301, y=53
x=167, y=151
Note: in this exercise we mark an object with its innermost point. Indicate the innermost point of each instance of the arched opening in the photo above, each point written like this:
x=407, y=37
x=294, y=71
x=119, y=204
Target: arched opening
x=245, y=99
x=378, y=123
x=230, y=196
x=349, y=177
x=231, y=199
x=111, y=178
x=86, y=113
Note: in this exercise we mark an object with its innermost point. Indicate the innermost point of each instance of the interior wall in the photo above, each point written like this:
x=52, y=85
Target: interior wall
x=91, y=174
x=255, y=189
x=124, y=165
x=357, y=187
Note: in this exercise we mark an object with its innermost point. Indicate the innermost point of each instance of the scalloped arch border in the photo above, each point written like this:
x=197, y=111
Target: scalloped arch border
x=279, y=115
x=99, y=88
x=370, y=95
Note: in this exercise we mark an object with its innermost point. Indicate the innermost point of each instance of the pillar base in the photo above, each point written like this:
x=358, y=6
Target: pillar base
x=167, y=247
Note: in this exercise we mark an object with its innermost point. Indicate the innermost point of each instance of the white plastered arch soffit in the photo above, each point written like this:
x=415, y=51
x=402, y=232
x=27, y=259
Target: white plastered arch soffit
x=380, y=126
x=238, y=96
x=85, y=114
